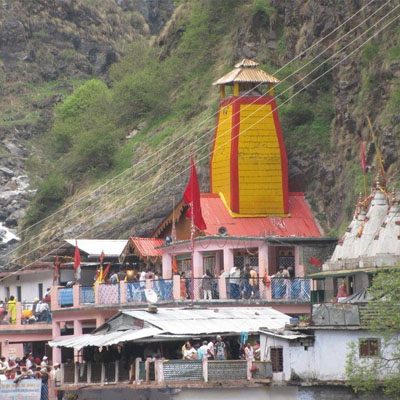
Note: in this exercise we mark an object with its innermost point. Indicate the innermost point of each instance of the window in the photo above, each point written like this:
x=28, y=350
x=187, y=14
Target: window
x=209, y=264
x=40, y=289
x=369, y=347
x=19, y=293
x=277, y=359
x=185, y=266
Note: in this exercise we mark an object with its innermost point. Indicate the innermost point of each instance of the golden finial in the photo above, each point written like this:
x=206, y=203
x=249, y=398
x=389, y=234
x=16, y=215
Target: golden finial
x=377, y=181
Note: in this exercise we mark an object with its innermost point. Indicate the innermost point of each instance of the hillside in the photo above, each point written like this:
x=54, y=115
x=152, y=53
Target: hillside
x=156, y=103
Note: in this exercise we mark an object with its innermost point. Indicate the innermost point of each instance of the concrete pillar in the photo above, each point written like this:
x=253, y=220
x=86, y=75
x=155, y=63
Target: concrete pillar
x=198, y=264
x=265, y=290
x=54, y=297
x=122, y=291
x=78, y=330
x=137, y=369
x=177, y=287
x=159, y=371
x=205, y=369
x=222, y=287
x=100, y=320
x=75, y=294
x=96, y=292
x=167, y=266
x=55, y=334
x=18, y=310
x=228, y=259
x=299, y=270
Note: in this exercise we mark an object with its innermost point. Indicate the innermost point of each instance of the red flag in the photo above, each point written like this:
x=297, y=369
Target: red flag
x=101, y=257
x=316, y=262
x=77, y=257
x=363, y=162
x=105, y=273
x=174, y=265
x=192, y=197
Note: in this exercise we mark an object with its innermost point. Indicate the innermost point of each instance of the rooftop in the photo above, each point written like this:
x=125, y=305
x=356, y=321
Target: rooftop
x=246, y=71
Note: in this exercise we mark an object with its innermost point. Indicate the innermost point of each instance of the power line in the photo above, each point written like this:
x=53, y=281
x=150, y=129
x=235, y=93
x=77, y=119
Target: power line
x=186, y=169
x=199, y=138
x=201, y=123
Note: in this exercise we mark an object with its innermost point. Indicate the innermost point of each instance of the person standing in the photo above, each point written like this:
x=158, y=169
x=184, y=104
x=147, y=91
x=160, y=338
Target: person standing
x=249, y=351
x=211, y=349
x=12, y=310
x=206, y=285
x=190, y=352
x=234, y=276
x=220, y=349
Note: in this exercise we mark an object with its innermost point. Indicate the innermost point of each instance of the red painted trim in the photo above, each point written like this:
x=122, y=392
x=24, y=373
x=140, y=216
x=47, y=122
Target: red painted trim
x=234, y=203
x=234, y=151
x=284, y=160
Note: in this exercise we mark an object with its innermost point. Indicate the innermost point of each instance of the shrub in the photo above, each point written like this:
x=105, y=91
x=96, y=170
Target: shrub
x=50, y=195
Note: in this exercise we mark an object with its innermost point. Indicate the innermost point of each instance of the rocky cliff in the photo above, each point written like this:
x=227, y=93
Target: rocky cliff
x=48, y=50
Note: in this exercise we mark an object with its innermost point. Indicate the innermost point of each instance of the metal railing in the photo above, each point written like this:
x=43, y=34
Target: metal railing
x=164, y=288
x=135, y=292
x=161, y=371
x=35, y=312
x=291, y=289
x=109, y=293
x=65, y=297
x=86, y=295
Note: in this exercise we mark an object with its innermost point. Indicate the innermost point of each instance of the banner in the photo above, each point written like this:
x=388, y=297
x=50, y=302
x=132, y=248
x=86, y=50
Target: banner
x=26, y=389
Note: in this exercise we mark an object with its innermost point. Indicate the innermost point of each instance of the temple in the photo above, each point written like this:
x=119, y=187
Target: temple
x=371, y=243
x=252, y=220
x=248, y=167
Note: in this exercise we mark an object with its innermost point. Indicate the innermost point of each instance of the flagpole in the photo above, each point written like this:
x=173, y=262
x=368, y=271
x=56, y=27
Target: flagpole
x=192, y=248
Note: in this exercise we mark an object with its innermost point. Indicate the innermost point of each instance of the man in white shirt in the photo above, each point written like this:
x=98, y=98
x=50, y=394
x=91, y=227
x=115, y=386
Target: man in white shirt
x=211, y=349
x=190, y=353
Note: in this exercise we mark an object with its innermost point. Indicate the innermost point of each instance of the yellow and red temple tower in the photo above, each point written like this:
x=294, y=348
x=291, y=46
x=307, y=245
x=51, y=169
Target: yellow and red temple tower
x=249, y=168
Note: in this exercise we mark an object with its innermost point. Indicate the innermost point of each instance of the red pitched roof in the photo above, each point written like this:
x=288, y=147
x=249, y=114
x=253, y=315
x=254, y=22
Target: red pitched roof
x=146, y=247
x=301, y=222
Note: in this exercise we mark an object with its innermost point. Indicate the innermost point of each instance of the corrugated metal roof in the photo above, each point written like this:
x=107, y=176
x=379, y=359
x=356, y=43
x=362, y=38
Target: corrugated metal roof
x=94, y=247
x=191, y=322
x=108, y=339
x=300, y=223
x=209, y=321
x=146, y=247
x=248, y=73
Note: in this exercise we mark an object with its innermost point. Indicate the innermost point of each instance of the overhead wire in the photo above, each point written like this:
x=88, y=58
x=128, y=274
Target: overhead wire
x=186, y=169
x=208, y=118
x=200, y=137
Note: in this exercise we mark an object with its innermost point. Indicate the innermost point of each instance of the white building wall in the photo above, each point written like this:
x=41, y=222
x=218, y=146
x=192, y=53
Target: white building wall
x=29, y=284
x=325, y=361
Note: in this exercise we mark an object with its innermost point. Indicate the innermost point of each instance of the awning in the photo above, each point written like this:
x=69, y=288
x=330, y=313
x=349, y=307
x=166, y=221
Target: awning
x=347, y=272
x=108, y=339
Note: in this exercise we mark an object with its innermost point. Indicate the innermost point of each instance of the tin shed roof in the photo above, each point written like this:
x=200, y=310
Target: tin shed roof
x=94, y=247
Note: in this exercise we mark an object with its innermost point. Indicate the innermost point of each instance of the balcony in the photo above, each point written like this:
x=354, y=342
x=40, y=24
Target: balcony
x=26, y=317
x=166, y=372
x=176, y=290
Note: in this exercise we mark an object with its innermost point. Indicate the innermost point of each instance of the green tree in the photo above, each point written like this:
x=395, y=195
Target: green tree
x=382, y=317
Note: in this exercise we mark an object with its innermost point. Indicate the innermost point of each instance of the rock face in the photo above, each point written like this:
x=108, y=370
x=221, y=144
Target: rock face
x=46, y=48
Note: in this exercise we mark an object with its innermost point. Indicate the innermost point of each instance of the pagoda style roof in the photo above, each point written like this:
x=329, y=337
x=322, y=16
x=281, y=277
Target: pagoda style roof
x=246, y=71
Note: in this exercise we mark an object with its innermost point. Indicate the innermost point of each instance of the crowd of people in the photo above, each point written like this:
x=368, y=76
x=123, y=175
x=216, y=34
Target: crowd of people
x=29, y=367
x=217, y=349
x=37, y=311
